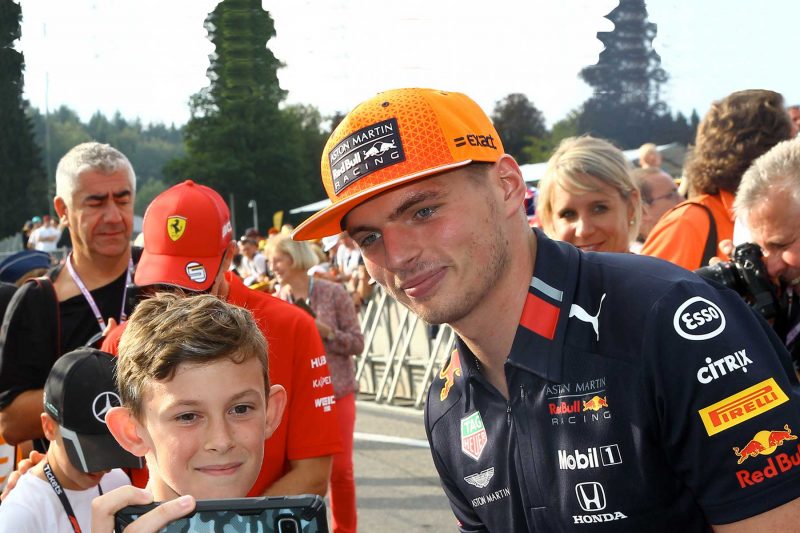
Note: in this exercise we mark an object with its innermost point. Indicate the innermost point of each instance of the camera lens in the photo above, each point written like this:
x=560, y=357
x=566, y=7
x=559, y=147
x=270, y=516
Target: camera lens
x=288, y=525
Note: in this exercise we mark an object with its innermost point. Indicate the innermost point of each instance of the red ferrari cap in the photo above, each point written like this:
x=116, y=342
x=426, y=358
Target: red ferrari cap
x=187, y=229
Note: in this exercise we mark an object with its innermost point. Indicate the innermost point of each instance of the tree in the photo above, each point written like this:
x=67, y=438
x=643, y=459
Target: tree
x=22, y=177
x=540, y=149
x=626, y=104
x=518, y=122
x=238, y=140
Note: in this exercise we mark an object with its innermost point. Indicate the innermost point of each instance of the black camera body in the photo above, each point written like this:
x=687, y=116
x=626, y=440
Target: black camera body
x=746, y=274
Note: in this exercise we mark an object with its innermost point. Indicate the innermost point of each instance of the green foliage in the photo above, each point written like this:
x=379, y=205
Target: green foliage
x=22, y=178
x=540, y=149
x=146, y=192
x=148, y=148
x=238, y=140
x=519, y=124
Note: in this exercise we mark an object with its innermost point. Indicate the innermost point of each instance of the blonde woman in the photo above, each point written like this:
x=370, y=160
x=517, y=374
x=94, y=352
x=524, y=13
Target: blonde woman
x=588, y=198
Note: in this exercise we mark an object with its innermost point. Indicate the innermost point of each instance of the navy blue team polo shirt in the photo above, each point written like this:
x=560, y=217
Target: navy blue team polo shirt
x=642, y=398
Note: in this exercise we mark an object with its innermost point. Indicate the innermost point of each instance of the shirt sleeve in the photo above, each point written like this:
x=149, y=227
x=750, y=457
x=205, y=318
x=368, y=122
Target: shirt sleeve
x=27, y=342
x=313, y=402
x=726, y=401
x=348, y=338
x=679, y=237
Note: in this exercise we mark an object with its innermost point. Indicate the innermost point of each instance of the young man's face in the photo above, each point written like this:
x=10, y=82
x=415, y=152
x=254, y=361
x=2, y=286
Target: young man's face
x=101, y=215
x=437, y=244
x=205, y=429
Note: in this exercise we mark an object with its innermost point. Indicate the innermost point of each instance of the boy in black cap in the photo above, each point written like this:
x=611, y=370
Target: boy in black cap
x=56, y=495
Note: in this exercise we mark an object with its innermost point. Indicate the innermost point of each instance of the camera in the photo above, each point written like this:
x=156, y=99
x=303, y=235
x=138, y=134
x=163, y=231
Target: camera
x=746, y=274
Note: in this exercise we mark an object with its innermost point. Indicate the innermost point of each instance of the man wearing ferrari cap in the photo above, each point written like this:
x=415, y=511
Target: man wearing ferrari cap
x=188, y=244
x=587, y=390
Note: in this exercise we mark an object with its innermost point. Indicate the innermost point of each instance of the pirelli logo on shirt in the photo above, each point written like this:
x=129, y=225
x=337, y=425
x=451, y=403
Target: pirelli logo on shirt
x=742, y=406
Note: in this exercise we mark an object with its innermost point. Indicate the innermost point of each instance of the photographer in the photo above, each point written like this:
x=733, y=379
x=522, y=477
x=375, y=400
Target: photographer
x=768, y=200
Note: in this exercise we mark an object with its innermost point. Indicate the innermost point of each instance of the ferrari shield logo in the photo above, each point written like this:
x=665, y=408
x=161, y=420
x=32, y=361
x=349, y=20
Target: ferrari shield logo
x=473, y=435
x=175, y=227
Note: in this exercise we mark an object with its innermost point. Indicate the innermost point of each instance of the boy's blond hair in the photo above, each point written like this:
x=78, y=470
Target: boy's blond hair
x=171, y=329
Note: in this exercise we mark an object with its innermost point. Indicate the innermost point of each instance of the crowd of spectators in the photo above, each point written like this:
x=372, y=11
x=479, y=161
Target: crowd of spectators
x=305, y=297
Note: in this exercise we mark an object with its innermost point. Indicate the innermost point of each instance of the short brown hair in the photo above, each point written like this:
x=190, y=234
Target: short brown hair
x=171, y=329
x=735, y=131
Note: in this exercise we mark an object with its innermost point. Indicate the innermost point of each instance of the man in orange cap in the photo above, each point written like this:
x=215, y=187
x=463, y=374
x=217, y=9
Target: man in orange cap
x=586, y=388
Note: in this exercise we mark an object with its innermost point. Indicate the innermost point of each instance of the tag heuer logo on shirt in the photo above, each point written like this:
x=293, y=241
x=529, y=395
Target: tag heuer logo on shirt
x=473, y=435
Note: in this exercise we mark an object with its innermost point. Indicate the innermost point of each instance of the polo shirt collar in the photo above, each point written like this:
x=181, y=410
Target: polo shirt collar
x=539, y=340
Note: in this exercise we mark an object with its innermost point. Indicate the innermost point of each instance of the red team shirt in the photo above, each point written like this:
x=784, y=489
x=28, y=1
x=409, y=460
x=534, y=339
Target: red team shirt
x=297, y=361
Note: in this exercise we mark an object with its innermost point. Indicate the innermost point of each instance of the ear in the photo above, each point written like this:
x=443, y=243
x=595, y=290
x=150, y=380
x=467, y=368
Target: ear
x=49, y=426
x=276, y=402
x=127, y=430
x=61, y=208
x=512, y=183
x=227, y=260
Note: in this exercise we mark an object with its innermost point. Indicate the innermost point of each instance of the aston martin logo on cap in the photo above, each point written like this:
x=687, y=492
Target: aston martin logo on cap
x=175, y=227
x=367, y=150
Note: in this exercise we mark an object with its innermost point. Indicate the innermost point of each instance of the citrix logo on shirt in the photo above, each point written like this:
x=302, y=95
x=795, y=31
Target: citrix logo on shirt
x=715, y=369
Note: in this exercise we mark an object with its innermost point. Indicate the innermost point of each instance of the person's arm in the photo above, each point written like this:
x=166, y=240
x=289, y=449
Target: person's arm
x=347, y=337
x=305, y=476
x=783, y=518
x=698, y=410
x=27, y=349
x=20, y=421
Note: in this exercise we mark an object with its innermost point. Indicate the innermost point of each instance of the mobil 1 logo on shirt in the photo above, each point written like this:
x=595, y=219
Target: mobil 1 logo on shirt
x=594, y=457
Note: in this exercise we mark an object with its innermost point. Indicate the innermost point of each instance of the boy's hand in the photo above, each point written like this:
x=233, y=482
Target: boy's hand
x=104, y=507
x=22, y=467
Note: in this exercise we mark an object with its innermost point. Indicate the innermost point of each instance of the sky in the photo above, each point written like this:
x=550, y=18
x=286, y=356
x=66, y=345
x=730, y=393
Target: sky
x=145, y=58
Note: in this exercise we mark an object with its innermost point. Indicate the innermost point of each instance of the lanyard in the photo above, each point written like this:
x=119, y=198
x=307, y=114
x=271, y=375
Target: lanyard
x=308, y=296
x=51, y=477
x=88, y=295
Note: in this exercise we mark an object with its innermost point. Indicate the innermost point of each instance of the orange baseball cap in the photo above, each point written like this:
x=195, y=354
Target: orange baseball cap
x=187, y=229
x=396, y=137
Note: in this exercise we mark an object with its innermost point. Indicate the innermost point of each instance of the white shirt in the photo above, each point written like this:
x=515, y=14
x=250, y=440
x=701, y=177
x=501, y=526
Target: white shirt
x=45, y=238
x=34, y=507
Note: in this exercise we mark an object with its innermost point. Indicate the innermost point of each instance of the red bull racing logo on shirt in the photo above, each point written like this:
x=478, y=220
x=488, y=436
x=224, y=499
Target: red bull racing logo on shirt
x=742, y=406
x=764, y=443
x=578, y=403
x=473, y=435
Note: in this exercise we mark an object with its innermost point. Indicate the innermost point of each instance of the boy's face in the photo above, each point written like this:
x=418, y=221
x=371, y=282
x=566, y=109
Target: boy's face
x=69, y=476
x=205, y=430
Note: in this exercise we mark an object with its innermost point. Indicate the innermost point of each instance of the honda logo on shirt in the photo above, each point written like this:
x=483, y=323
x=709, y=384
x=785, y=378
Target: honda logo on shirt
x=591, y=496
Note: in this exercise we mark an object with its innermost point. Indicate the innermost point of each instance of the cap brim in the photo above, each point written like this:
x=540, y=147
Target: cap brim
x=157, y=269
x=328, y=221
x=97, y=453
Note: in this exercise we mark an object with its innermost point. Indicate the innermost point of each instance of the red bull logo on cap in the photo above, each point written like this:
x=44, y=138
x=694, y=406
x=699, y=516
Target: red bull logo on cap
x=764, y=443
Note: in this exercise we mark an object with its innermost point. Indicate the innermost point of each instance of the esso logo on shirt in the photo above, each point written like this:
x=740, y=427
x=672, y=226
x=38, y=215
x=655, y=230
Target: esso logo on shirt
x=698, y=319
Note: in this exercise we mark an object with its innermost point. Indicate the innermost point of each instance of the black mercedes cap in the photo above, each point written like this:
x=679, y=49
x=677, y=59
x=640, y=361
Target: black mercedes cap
x=78, y=393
